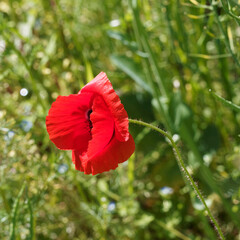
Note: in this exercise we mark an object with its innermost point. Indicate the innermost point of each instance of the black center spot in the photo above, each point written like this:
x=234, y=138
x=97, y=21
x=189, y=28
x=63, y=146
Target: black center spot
x=89, y=113
x=88, y=117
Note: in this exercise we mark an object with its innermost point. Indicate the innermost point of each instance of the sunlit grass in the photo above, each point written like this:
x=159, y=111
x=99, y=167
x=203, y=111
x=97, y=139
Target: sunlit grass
x=162, y=58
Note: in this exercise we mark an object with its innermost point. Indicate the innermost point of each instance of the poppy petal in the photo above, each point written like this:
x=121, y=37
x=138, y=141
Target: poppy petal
x=67, y=123
x=116, y=152
x=102, y=127
x=102, y=86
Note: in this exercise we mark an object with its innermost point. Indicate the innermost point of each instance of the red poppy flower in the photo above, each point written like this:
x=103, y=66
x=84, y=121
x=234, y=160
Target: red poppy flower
x=94, y=125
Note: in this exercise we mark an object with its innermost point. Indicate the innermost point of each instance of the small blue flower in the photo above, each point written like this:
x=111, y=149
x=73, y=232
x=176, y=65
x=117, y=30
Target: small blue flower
x=62, y=168
x=9, y=135
x=166, y=191
x=111, y=206
x=26, y=125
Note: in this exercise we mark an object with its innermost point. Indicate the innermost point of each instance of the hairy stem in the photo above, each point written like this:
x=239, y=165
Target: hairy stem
x=184, y=169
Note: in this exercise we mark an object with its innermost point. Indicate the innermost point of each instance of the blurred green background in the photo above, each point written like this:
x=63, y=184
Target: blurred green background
x=162, y=58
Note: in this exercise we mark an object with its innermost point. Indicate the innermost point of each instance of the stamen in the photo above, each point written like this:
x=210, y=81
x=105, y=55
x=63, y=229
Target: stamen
x=88, y=113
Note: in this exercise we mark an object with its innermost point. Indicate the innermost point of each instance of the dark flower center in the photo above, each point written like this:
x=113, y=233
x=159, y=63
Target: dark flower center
x=88, y=117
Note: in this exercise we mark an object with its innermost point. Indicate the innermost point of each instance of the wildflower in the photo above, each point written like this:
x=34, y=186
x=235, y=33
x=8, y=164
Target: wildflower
x=111, y=206
x=94, y=125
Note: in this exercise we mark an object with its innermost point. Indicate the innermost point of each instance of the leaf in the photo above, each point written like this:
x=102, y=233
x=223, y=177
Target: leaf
x=132, y=69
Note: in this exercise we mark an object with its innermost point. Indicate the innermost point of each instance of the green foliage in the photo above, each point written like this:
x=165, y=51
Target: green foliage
x=162, y=57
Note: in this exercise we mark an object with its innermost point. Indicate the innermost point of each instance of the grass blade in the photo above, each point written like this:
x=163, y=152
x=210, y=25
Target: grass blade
x=128, y=66
x=32, y=223
x=14, y=213
x=227, y=103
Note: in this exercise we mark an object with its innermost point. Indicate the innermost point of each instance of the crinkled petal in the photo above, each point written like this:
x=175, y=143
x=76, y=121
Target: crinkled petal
x=102, y=126
x=102, y=86
x=114, y=153
x=67, y=123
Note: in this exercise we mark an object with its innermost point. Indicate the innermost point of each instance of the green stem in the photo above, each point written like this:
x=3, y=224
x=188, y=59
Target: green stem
x=173, y=230
x=184, y=169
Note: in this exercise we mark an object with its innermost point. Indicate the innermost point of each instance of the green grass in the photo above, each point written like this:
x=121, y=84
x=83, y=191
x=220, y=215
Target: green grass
x=162, y=57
